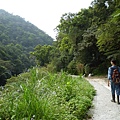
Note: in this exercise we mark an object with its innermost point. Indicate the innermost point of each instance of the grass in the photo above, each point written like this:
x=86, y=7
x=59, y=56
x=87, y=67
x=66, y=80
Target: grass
x=41, y=95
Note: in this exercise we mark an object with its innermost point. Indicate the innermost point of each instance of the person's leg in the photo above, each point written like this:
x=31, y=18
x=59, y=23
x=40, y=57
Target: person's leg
x=113, y=91
x=118, y=99
x=113, y=98
x=118, y=93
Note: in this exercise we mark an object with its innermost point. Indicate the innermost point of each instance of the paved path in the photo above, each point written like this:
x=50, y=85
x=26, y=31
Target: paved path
x=103, y=108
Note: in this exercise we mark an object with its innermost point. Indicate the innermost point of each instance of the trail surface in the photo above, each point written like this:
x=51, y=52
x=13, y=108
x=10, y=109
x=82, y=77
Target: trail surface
x=103, y=108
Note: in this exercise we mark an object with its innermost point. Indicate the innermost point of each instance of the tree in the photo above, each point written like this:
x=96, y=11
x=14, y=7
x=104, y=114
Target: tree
x=42, y=54
x=108, y=36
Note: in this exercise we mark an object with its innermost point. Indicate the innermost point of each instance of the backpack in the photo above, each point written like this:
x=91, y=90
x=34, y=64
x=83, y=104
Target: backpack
x=116, y=76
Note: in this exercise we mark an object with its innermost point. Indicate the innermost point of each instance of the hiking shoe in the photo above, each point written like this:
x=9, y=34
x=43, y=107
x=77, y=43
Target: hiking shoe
x=118, y=103
x=113, y=101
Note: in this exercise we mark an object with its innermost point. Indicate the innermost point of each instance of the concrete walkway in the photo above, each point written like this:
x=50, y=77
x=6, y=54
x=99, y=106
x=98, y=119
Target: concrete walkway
x=103, y=108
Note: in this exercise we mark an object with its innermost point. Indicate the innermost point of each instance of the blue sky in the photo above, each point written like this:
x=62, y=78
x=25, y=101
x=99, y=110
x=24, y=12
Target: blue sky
x=45, y=14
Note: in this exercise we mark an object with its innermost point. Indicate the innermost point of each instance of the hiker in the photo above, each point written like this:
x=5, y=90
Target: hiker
x=114, y=87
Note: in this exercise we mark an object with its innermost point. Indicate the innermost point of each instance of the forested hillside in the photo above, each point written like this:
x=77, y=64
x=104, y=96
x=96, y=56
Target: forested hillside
x=14, y=29
x=86, y=40
x=17, y=38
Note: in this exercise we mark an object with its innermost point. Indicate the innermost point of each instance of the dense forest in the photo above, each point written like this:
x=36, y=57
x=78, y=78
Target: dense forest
x=86, y=41
x=17, y=38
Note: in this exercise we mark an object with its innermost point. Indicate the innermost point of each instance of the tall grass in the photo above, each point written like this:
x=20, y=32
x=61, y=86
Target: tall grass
x=41, y=95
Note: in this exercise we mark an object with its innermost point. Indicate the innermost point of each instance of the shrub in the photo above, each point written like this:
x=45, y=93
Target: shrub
x=47, y=96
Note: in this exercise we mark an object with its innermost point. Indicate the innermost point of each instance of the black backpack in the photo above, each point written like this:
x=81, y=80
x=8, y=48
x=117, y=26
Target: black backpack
x=116, y=76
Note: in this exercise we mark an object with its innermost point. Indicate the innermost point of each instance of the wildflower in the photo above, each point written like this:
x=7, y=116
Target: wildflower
x=54, y=93
x=68, y=83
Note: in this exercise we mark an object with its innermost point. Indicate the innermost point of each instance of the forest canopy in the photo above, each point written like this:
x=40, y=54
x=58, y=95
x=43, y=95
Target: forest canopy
x=87, y=39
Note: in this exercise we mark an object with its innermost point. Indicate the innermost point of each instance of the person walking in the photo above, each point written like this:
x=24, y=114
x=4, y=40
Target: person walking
x=114, y=87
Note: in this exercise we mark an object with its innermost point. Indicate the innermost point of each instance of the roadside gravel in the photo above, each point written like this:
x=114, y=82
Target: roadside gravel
x=103, y=108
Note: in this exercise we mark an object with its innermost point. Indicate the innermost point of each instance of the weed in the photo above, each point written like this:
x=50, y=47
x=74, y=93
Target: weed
x=41, y=95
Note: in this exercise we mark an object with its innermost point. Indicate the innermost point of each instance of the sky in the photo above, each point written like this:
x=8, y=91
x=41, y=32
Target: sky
x=45, y=14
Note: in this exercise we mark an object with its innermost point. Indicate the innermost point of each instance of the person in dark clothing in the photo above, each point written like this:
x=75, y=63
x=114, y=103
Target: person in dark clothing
x=114, y=87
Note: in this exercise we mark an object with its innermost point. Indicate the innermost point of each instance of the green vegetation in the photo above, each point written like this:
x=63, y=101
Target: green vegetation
x=89, y=37
x=85, y=43
x=42, y=95
x=17, y=38
x=14, y=29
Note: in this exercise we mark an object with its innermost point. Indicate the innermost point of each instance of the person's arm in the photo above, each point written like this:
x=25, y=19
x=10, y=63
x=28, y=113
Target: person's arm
x=109, y=75
x=108, y=83
x=119, y=69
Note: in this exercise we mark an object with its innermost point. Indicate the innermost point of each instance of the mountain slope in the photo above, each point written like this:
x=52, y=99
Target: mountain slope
x=16, y=30
x=17, y=39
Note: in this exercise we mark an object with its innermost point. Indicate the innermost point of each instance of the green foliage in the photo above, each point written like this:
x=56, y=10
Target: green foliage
x=72, y=67
x=102, y=69
x=80, y=68
x=108, y=36
x=90, y=36
x=42, y=54
x=43, y=95
x=87, y=69
x=17, y=39
x=15, y=29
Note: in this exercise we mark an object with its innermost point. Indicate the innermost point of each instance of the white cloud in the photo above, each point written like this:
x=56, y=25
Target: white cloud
x=45, y=14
